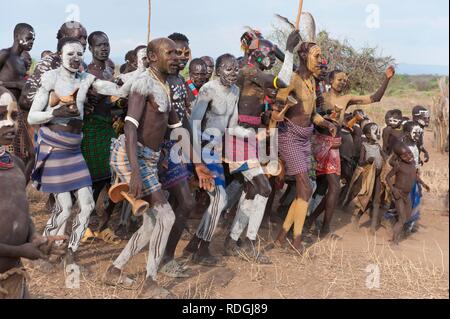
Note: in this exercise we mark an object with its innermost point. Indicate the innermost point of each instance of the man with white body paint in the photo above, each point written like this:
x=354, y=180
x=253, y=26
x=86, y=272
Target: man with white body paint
x=134, y=160
x=60, y=167
x=215, y=110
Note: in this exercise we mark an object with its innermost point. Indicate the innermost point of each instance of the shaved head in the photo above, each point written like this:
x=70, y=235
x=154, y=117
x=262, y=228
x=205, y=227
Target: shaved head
x=162, y=56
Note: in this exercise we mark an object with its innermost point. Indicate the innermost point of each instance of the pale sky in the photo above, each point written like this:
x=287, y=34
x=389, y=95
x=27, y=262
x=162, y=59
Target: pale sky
x=414, y=31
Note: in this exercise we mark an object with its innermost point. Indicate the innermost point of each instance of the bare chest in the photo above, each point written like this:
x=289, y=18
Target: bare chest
x=14, y=218
x=14, y=69
x=223, y=104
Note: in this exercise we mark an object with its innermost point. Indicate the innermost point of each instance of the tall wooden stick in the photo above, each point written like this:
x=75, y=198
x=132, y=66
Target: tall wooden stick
x=299, y=15
x=149, y=19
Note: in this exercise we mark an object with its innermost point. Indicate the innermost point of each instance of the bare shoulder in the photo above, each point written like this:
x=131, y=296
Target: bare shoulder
x=209, y=88
x=49, y=78
x=144, y=85
x=4, y=53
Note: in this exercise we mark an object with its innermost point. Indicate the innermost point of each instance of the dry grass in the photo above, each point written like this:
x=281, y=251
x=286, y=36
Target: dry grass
x=330, y=270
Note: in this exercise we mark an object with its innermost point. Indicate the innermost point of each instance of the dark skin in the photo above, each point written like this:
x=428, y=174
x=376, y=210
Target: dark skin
x=180, y=193
x=210, y=66
x=100, y=104
x=18, y=238
x=377, y=189
x=130, y=63
x=100, y=48
x=183, y=54
x=13, y=67
x=197, y=74
x=391, y=134
x=404, y=172
x=254, y=85
x=304, y=113
x=163, y=62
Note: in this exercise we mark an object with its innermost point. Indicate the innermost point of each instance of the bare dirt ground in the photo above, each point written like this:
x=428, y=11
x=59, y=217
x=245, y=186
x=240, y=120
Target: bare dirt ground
x=418, y=268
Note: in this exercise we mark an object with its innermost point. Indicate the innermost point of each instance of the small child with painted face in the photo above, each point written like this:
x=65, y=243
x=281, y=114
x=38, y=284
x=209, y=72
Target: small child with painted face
x=413, y=134
x=421, y=116
x=393, y=132
x=370, y=164
x=404, y=171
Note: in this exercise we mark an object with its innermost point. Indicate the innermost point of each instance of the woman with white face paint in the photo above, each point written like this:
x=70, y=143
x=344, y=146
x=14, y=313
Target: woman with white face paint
x=60, y=167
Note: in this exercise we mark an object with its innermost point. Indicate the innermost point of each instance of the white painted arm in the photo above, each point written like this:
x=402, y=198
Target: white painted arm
x=286, y=70
x=108, y=88
x=37, y=115
x=235, y=129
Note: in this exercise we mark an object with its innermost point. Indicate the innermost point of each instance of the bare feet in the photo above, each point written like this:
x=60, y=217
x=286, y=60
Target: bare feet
x=151, y=290
x=115, y=277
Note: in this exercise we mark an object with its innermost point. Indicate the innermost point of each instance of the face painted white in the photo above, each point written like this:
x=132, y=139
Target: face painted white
x=6, y=99
x=422, y=122
x=374, y=132
x=72, y=55
x=394, y=121
x=141, y=55
x=416, y=132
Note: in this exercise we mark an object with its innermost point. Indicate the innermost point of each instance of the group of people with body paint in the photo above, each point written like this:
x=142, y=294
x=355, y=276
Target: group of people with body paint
x=234, y=131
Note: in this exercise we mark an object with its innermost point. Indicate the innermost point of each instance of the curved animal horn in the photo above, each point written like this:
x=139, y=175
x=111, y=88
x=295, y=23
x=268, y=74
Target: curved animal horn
x=285, y=20
x=308, y=27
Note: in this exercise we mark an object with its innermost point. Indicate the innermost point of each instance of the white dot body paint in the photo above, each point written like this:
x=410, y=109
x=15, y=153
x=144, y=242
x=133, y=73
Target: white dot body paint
x=15, y=226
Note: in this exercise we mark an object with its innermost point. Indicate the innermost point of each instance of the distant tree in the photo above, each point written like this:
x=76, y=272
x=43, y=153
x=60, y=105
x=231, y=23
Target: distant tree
x=365, y=67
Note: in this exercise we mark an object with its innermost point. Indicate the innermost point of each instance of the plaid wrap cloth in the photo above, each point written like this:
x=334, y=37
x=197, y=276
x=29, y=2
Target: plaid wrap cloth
x=328, y=159
x=148, y=161
x=294, y=144
x=96, y=146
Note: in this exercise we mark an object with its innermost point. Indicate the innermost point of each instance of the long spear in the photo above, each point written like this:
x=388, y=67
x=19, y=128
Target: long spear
x=149, y=19
x=299, y=15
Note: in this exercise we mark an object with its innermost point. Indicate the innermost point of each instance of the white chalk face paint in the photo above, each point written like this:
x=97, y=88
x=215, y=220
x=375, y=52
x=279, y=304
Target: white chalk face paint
x=72, y=56
x=27, y=40
x=416, y=132
x=374, y=132
x=9, y=119
x=394, y=122
x=141, y=57
x=228, y=72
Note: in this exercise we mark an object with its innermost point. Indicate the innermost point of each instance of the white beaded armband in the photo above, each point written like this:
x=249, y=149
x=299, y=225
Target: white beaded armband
x=132, y=120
